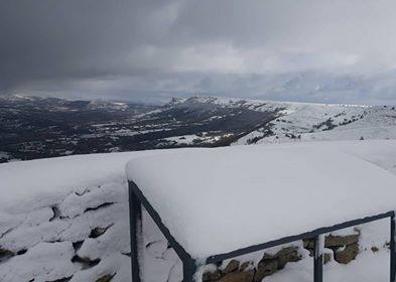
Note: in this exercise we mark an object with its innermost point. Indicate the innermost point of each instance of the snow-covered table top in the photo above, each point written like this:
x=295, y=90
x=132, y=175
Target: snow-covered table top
x=218, y=200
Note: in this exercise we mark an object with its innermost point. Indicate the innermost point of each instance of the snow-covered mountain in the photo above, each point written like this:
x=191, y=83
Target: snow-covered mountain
x=308, y=121
x=32, y=127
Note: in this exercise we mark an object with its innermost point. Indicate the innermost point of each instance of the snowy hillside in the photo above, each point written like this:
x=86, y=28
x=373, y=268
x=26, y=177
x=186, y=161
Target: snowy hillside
x=293, y=121
x=66, y=219
x=327, y=122
x=307, y=121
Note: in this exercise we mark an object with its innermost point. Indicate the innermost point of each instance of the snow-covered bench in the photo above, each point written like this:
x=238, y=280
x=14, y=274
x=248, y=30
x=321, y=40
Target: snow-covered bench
x=215, y=204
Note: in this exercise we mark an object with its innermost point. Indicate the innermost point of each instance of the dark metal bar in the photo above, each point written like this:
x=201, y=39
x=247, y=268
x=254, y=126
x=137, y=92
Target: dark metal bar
x=135, y=221
x=157, y=219
x=189, y=269
x=189, y=265
x=318, y=258
x=286, y=240
x=392, y=249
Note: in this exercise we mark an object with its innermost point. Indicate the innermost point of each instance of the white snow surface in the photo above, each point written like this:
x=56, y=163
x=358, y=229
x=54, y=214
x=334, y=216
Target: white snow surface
x=202, y=194
x=38, y=183
x=49, y=208
x=47, y=205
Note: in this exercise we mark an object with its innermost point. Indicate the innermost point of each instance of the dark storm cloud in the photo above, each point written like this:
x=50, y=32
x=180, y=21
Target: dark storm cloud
x=308, y=50
x=50, y=39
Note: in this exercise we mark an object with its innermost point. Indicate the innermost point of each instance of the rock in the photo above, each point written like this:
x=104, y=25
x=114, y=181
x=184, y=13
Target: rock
x=326, y=258
x=348, y=254
x=244, y=276
x=98, y=231
x=268, y=257
x=65, y=279
x=309, y=244
x=340, y=241
x=5, y=254
x=265, y=268
x=77, y=245
x=374, y=249
x=333, y=243
x=246, y=265
x=106, y=278
x=85, y=261
x=289, y=254
x=211, y=276
x=21, y=252
x=232, y=266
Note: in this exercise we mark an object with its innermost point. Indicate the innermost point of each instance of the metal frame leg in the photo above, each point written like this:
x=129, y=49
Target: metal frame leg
x=189, y=269
x=318, y=258
x=392, y=250
x=135, y=217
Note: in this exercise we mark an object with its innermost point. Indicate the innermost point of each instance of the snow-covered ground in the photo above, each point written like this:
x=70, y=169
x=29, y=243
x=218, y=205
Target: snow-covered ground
x=68, y=218
x=65, y=217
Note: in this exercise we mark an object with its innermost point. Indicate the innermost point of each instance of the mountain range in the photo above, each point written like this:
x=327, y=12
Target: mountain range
x=35, y=127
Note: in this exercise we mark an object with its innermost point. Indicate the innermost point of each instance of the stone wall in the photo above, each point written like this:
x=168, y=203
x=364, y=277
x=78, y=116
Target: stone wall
x=343, y=249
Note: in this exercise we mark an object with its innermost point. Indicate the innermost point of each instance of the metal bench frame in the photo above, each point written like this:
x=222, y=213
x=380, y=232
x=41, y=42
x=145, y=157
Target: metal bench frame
x=190, y=265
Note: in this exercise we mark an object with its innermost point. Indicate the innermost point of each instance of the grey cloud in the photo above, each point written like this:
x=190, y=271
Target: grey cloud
x=309, y=50
x=70, y=38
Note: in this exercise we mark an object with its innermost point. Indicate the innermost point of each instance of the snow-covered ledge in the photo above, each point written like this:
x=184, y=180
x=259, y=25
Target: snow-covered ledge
x=68, y=218
x=181, y=192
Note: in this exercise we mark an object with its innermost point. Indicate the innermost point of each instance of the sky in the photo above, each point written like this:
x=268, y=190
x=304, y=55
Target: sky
x=333, y=51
